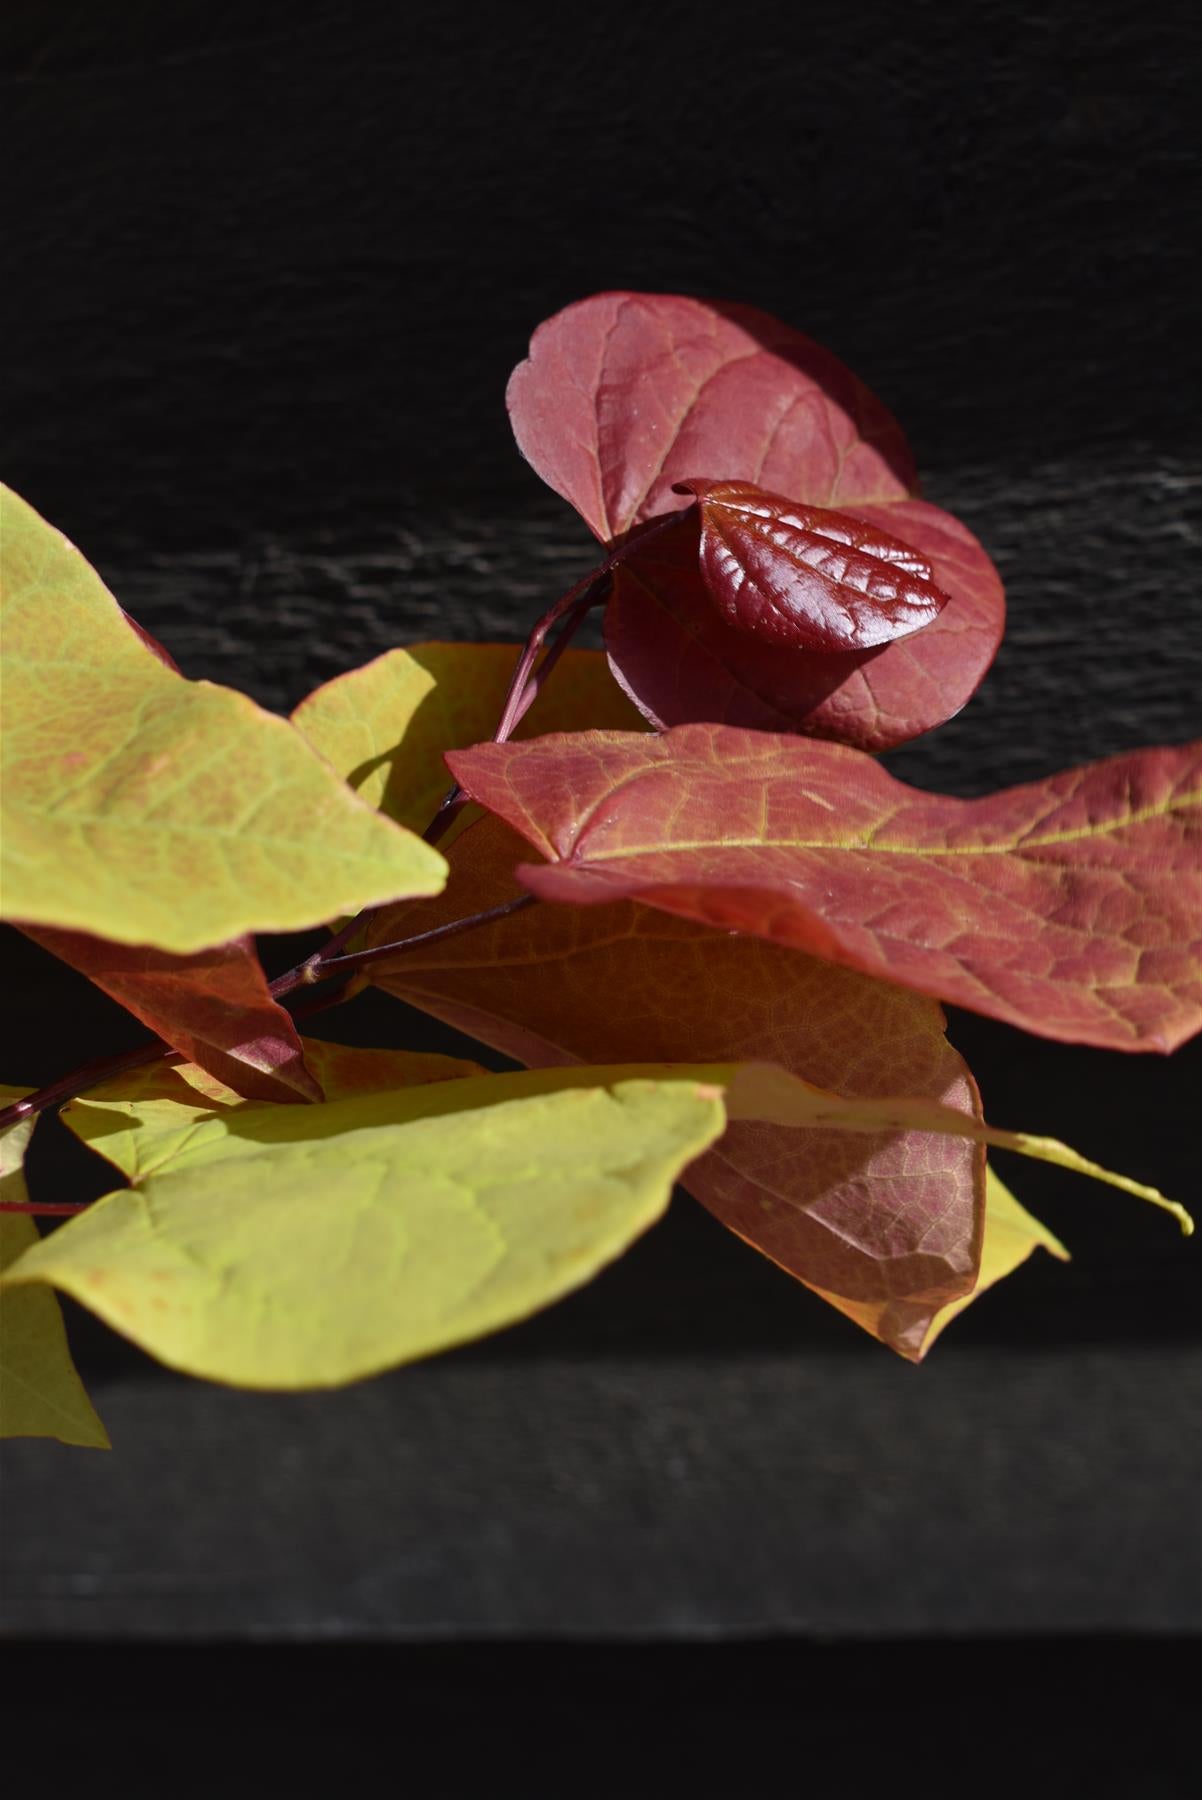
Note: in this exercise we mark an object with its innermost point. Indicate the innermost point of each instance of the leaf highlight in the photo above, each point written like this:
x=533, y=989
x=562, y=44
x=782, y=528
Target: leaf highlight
x=807, y=578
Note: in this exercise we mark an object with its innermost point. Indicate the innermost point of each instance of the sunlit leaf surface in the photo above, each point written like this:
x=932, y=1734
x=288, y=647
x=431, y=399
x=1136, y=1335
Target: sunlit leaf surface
x=1070, y=906
x=307, y=1246
x=41, y=1394
x=147, y=809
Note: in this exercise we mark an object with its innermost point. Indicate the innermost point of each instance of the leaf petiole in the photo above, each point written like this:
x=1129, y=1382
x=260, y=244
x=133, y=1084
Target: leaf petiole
x=93, y=1073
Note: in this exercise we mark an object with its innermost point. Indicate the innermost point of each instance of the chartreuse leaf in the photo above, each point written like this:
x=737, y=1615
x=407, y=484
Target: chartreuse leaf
x=307, y=1246
x=41, y=1394
x=261, y=1242
x=160, y=1117
x=1011, y=1233
x=148, y=809
x=386, y=726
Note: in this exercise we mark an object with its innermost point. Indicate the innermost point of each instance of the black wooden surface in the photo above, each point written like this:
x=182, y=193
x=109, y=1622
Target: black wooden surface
x=266, y=278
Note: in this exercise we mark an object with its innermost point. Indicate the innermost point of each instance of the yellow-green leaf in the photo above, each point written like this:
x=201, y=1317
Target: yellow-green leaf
x=41, y=1394
x=148, y=809
x=159, y=1117
x=385, y=727
x=370, y=1231
x=1011, y=1233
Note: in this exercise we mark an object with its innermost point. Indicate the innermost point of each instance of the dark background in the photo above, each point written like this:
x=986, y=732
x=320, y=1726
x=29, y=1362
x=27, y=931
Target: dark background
x=267, y=269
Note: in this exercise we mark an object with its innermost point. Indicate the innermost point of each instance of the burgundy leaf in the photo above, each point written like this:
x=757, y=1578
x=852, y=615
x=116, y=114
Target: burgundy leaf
x=804, y=577
x=680, y=661
x=625, y=395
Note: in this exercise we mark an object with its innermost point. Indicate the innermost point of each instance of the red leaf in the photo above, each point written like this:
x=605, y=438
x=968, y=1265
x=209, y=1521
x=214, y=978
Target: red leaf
x=680, y=661
x=213, y=1006
x=625, y=394
x=1071, y=907
x=884, y=1227
x=804, y=577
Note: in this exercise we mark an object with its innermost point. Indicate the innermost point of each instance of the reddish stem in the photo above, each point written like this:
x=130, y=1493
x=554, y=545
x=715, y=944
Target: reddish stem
x=44, y=1208
x=435, y=935
x=86, y=1076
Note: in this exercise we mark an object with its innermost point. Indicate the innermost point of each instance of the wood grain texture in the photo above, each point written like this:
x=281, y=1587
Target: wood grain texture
x=627, y=1499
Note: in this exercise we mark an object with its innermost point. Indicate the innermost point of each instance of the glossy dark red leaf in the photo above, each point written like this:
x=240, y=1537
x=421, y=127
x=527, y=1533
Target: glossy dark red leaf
x=806, y=577
x=680, y=661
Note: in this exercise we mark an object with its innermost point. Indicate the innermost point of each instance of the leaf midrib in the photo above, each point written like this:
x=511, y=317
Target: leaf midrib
x=1022, y=848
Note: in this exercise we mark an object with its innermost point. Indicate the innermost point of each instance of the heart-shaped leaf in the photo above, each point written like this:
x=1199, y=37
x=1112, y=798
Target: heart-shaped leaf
x=623, y=395
x=626, y=395
x=309, y=1246
x=1071, y=907
x=804, y=577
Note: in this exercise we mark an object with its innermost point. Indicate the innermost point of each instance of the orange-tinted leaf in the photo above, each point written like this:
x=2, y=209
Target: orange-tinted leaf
x=804, y=577
x=213, y=1005
x=887, y=1227
x=1071, y=907
x=625, y=394
x=680, y=660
